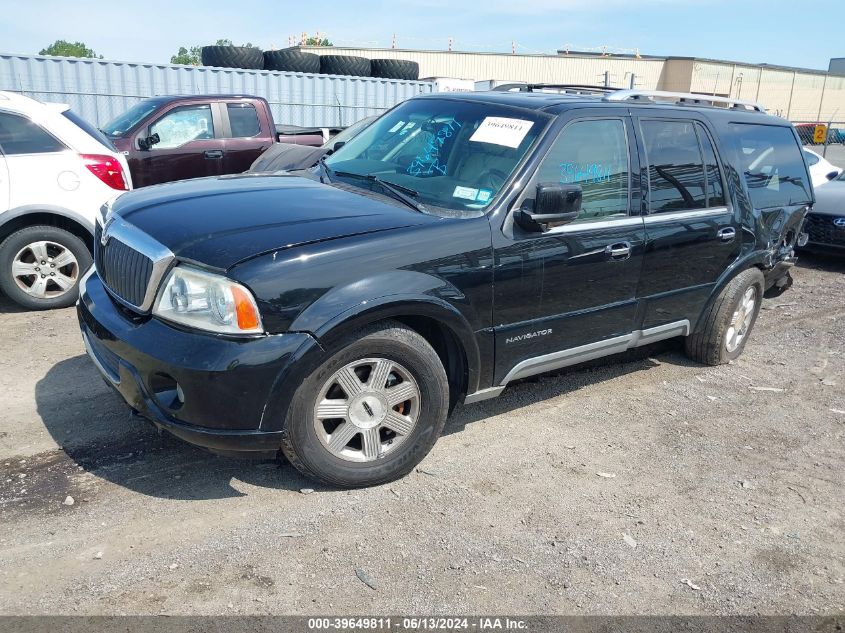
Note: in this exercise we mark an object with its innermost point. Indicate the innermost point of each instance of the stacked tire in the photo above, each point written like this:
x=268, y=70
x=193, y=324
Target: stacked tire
x=297, y=61
x=233, y=57
x=291, y=60
x=345, y=65
x=395, y=69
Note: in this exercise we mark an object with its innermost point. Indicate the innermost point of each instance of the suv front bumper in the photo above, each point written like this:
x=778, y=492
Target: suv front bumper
x=209, y=390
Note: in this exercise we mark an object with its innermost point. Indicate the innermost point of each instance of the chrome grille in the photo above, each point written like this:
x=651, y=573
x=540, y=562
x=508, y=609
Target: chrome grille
x=129, y=274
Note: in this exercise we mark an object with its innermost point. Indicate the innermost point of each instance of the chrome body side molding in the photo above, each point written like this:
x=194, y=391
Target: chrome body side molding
x=583, y=353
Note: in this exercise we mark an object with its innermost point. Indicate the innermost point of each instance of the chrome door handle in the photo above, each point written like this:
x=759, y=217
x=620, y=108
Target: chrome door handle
x=727, y=235
x=619, y=251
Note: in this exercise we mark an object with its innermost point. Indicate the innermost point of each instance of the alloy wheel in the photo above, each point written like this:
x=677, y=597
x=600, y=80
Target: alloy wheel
x=367, y=409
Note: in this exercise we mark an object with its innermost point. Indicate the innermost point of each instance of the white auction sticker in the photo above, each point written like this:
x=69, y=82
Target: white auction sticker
x=501, y=131
x=467, y=193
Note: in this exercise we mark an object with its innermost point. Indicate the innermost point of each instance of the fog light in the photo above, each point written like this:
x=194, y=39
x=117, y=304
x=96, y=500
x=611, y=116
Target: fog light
x=803, y=238
x=166, y=391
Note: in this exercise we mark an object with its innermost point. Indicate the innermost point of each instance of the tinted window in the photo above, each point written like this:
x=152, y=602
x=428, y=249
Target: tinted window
x=93, y=132
x=450, y=153
x=183, y=125
x=715, y=188
x=812, y=159
x=675, y=166
x=19, y=135
x=129, y=119
x=243, y=119
x=594, y=155
x=771, y=162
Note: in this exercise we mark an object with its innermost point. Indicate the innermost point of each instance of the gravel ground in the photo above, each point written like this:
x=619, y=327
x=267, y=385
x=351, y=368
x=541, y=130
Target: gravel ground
x=645, y=484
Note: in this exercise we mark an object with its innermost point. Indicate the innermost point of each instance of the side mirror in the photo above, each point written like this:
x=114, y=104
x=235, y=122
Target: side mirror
x=145, y=143
x=553, y=204
x=338, y=145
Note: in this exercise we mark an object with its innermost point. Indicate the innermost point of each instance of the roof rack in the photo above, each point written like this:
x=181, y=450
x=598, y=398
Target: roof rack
x=580, y=89
x=685, y=98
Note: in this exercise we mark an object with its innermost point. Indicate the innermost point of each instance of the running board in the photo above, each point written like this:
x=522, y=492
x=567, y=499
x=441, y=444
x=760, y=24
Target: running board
x=583, y=353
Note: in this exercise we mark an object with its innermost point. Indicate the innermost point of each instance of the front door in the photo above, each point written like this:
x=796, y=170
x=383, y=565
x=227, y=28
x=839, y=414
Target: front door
x=692, y=231
x=569, y=293
x=188, y=147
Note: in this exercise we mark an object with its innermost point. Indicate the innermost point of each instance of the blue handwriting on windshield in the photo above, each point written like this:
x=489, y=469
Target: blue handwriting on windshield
x=428, y=161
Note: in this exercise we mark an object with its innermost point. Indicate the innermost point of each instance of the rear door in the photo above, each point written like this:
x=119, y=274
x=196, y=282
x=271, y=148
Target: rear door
x=190, y=145
x=245, y=139
x=692, y=229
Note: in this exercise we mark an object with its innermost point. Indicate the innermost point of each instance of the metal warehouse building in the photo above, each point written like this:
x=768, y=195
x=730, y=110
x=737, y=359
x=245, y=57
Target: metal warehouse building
x=798, y=94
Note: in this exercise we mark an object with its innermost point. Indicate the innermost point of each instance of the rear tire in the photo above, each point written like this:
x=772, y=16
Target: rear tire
x=233, y=57
x=362, y=434
x=725, y=327
x=51, y=284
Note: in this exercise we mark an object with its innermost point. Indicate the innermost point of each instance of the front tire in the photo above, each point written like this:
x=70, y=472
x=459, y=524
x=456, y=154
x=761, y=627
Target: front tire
x=40, y=267
x=371, y=412
x=727, y=324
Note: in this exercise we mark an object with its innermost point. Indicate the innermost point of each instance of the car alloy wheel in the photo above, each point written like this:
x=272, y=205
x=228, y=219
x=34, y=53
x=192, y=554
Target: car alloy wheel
x=741, y=320
x=45, y=269
x=366, y=409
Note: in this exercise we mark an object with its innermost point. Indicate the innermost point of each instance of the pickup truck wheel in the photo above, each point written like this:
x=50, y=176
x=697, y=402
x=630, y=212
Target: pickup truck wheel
x=371, y=412
x=40, y=267
x=725, y=328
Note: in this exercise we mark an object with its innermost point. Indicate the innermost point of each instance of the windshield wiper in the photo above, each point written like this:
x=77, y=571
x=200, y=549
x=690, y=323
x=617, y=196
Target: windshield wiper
x=327, y=171
x=399, y=192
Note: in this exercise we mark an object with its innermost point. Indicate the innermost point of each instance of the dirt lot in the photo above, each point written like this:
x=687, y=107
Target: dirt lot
x=647, y=484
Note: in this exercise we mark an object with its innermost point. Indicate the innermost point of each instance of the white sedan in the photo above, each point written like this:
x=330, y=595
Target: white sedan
x=821, y=170
x=56, y=171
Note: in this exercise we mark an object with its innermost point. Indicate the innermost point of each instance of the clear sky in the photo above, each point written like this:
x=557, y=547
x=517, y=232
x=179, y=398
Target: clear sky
x=805, y=34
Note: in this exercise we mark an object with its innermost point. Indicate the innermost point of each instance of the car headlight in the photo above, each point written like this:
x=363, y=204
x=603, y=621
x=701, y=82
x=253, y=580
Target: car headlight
x=206, y=301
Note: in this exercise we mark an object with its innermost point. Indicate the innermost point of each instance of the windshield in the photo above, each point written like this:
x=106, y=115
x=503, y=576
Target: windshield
x=353, y=130
x=447, y=153
x=126, y=121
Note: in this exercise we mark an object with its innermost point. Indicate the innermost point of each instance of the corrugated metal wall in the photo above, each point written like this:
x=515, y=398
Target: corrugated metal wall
x=99, y=90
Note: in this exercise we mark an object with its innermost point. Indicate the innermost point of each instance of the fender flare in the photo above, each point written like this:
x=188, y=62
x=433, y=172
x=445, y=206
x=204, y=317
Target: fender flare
x=754, y=259
x=31, y=209
x=347, y=308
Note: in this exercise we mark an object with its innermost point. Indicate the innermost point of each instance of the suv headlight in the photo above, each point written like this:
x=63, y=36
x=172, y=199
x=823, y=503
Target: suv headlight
x=206, y=301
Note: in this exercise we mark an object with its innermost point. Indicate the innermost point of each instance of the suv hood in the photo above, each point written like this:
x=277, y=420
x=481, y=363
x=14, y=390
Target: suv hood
x=222, y=221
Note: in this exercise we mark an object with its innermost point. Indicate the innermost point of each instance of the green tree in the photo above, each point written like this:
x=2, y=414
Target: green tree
x=189, y=57
x=69, y=49
x=313, y=41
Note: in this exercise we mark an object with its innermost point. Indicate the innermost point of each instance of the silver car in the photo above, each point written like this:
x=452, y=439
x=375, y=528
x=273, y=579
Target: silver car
x=825, y=225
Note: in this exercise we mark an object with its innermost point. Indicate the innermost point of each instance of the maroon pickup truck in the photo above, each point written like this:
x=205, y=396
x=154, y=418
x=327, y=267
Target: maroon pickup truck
x=179, y=137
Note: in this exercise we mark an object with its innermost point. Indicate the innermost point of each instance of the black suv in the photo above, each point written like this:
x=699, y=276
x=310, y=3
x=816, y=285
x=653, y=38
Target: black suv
x=459, y=243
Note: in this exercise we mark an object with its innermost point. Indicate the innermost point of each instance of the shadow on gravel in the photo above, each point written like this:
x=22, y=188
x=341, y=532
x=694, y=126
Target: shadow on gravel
x=561, y=382
x=821, y=261
x=98, y=435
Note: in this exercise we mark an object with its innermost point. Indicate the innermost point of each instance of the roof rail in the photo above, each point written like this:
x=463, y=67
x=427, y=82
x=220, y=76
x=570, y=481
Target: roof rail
x=686, y=98
x=566, y=88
